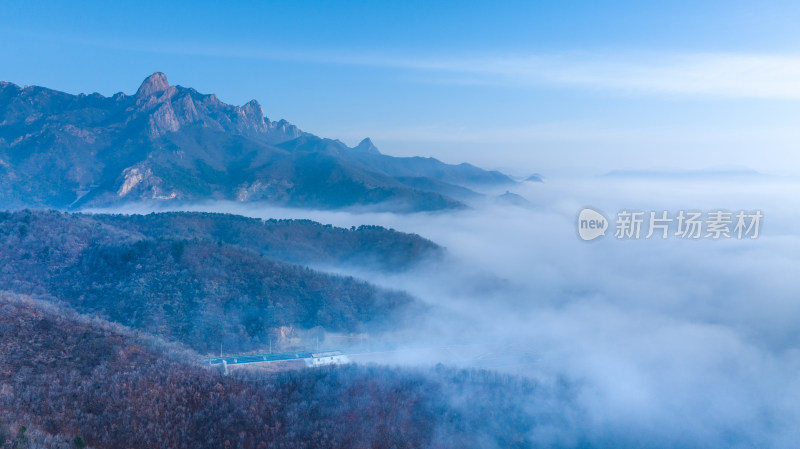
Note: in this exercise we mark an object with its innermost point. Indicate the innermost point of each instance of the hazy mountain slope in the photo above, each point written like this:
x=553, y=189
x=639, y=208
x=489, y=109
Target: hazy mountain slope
x=319, y=179
x=171, y=143
x=463, y=174
x=201, y=292
x=367, y=157
x=66, y=376
x=451, y=190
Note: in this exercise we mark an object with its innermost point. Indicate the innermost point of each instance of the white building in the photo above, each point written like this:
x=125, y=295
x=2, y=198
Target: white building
x=327, y=358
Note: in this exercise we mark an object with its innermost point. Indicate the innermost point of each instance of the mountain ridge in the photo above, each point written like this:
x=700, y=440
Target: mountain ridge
x=168, y=142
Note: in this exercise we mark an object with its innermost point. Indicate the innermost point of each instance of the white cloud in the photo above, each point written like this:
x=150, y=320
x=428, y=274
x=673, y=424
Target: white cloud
x=720, y=75
x=726, y=75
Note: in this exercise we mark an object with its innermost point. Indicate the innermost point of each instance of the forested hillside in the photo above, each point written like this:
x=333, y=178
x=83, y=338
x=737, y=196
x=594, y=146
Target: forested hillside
x=205, y=290
x=71, y=380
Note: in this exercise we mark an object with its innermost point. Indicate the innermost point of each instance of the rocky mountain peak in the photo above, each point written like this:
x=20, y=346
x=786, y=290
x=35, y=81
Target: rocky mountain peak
x=366, y=146
x=251, y=118
x=154, y=84
x=253, y=109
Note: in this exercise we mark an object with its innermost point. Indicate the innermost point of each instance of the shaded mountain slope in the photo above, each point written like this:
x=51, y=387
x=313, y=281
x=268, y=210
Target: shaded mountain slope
x=200, y=292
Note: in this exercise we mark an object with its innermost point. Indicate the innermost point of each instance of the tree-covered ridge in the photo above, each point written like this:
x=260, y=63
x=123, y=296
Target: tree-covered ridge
x=201, y=292
x=65, y=376
x=297, y=241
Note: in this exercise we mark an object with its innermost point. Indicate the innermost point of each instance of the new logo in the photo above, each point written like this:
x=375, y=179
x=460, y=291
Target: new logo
x=591, y=224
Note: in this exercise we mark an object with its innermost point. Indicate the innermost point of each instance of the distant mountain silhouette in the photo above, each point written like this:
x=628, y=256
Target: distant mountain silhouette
x=534, y=178
x=512, y=199
x=172, y=143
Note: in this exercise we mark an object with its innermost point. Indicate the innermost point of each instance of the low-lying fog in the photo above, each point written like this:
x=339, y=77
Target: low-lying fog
x=671, y=341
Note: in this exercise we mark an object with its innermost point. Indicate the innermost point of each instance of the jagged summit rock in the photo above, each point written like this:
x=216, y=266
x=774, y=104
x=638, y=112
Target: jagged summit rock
x=153, y=84
x=252, y=117
x=253, y=108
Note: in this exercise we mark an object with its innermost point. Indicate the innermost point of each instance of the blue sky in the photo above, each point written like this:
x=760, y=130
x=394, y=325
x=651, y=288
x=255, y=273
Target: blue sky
x=549, y=87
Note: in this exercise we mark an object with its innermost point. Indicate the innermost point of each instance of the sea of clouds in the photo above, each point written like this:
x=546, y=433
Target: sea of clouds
x=672, y=342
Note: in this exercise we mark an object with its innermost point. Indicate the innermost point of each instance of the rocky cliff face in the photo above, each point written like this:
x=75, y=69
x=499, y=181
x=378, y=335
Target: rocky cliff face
x=168, y=108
